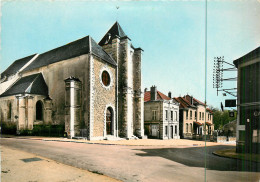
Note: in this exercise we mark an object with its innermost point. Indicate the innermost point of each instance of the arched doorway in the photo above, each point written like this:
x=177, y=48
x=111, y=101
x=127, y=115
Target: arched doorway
x=39, y=110
x=109, y=120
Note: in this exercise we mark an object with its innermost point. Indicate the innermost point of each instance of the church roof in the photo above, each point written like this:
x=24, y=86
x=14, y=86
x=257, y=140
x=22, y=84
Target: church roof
x=32, y=84
x=115, y=30
x=76, y=48
x=16, y=66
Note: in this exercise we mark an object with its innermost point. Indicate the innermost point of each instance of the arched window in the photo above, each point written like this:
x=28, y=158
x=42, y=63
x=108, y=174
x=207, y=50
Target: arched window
x=187, y=127
x=190, y=127
x=109, y=119
x=9, y=113
x=39, y=110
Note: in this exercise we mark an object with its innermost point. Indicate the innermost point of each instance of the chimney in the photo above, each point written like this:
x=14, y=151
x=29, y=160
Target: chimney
x=145, y=90
x=153, y=93
x=170, y=94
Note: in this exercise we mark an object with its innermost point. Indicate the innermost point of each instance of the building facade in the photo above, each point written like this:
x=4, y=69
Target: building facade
x=248, y=102
x=83, y=85
x=161, y=115
x=193, y=116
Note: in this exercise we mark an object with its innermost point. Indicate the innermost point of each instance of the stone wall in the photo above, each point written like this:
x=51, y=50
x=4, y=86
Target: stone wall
x=103, y=97
x=138, y=96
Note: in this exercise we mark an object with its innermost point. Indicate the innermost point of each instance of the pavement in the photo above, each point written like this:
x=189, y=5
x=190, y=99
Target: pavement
x=183, y=162
x=17, y=165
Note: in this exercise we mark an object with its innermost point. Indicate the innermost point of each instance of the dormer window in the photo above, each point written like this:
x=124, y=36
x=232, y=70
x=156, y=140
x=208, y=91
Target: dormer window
x=108, y=38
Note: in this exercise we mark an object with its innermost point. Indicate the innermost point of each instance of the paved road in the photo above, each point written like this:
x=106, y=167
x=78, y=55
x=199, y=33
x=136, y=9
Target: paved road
x=132, y=163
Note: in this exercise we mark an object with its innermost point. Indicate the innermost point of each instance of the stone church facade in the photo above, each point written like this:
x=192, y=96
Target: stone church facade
x=83, y=85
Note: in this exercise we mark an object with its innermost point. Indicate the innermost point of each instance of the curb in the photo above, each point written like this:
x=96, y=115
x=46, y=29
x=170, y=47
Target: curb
x=55, y=140
x=214, y=153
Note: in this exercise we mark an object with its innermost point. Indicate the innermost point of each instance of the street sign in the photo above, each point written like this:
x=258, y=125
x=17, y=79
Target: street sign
x=231, y=114
x=230, y=103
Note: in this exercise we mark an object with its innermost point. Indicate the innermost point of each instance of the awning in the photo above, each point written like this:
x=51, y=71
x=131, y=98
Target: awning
x=197, y=123
x=209, y=124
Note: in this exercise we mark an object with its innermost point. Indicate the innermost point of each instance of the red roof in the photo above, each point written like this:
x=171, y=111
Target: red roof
x=207, y=123
x=199, y=102
x=160, y=96
x=183, y=102
x=210, y=110
x=198, y=123
x=188, y=101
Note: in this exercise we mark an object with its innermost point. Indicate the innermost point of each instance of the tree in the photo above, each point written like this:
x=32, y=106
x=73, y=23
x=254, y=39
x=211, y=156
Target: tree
x=221, y=118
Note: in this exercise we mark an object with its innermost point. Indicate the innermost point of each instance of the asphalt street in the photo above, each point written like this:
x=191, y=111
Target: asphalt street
x=143, y=163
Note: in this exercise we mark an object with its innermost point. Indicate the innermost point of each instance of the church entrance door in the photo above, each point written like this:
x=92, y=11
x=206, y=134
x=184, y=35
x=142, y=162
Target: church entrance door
x=109, y=116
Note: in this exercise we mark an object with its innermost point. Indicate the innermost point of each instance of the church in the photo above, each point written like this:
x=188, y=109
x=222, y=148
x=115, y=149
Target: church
x=81, y=85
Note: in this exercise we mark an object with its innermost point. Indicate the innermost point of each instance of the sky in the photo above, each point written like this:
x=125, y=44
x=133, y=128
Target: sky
x=171, y=33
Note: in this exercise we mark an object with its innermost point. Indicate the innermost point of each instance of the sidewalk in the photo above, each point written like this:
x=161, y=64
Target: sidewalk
x=133, y=142
x=23, y=167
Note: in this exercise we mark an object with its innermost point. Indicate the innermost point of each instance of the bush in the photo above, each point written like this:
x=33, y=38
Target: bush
x=8, y=128
x=38, y=130
x=48, y=130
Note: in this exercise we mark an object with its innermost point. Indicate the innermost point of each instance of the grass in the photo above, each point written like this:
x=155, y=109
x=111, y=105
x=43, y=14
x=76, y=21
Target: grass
x=231, y=153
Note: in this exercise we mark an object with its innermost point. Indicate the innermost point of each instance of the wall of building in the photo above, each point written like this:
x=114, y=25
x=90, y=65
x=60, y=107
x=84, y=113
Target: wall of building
x=188, y=120
x=23, y=111
x=5, y=112
x=161, y=107
x=103, y=97
x=149, y=107
x=171, y=124
x=130, y=98
x=54, y=76
x=248, y=106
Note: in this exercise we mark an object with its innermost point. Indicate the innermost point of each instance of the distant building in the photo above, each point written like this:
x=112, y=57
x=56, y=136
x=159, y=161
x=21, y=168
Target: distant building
x=193, y=116
x=84, y=85
x=161, y=115
x=248, y=102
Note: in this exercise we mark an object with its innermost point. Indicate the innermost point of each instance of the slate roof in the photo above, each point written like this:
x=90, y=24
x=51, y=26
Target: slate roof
x=76, y=48
x=16, y=66
x=160, y=96
x=249, y=56
x=115, y=30
x=32, y=84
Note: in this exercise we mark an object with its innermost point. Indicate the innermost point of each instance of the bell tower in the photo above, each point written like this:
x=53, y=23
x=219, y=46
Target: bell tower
x=130, y=97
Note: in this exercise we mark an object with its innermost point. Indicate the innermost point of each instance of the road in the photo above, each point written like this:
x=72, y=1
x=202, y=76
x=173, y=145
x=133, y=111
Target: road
x=142, y=163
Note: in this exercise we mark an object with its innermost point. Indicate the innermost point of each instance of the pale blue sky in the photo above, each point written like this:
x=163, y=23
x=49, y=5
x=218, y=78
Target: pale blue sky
x=172, y=34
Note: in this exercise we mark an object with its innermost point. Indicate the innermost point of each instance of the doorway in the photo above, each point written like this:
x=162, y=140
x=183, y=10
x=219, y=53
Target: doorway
x=109, y=119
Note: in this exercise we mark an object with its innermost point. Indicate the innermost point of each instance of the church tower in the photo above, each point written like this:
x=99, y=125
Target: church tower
x=129, y=80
